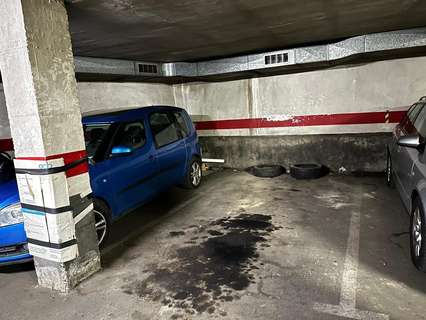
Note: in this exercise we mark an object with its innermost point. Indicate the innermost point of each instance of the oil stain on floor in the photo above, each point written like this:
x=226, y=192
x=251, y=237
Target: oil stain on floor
x=201, y=276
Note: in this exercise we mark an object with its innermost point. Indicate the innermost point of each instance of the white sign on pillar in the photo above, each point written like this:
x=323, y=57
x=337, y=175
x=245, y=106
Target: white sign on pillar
x=49, y=221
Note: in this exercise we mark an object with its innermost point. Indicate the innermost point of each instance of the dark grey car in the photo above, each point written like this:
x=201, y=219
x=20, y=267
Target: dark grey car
x=406, y=170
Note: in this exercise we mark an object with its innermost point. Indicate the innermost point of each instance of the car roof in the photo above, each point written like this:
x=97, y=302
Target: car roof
x=123, y=114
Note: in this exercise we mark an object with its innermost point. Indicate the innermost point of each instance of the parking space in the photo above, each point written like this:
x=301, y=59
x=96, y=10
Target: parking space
x=243, y=247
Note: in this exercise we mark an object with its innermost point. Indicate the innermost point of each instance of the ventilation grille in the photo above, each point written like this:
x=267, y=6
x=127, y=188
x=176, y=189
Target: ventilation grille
x=276, y=58
x=147, y=68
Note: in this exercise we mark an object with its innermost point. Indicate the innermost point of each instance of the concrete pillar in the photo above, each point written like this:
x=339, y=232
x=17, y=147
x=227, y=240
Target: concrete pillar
x=37, y=68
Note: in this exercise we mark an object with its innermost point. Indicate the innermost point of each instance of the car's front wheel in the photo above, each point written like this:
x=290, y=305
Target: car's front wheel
x=418, y=236
x=102, y=222
x=193, y=175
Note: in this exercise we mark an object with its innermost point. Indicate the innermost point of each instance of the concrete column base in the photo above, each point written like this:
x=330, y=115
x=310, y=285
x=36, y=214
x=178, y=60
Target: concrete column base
x=65, y=276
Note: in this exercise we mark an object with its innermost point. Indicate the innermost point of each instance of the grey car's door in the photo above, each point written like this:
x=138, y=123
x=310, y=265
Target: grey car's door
x=411, y=158
x=401, y=156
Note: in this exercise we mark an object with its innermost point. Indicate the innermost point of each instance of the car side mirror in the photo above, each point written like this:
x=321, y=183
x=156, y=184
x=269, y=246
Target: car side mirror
x=411, y=142
x=121, y=151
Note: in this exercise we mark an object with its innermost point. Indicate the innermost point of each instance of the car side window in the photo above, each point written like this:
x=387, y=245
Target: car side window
x=94, y=134
x=408, y=125
x=131, y=135
x=420, y=123
x=163, y=128
x=181, y=123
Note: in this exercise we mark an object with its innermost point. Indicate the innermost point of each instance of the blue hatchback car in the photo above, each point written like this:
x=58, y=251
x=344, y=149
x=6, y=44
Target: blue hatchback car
x=133, y=156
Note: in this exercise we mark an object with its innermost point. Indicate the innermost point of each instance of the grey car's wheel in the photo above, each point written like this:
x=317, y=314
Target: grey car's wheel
x=389, y=172
x=194, y=174
x=418, y=236
x=102, y=222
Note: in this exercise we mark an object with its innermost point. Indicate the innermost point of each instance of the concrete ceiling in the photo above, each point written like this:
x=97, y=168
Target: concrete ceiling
x=192, y=30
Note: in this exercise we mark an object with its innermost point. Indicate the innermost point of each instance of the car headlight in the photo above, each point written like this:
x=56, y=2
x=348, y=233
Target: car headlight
x=11, y=215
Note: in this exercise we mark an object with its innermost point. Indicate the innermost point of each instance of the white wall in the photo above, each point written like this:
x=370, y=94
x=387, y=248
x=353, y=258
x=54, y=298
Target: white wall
x=102, y=96
x=105, y=96
x=379, y=86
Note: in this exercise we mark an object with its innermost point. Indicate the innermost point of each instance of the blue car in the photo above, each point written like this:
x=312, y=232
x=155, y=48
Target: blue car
x=133, y=156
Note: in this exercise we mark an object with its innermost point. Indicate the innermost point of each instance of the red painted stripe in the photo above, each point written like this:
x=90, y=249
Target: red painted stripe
x=300, y=121
x=68, y=157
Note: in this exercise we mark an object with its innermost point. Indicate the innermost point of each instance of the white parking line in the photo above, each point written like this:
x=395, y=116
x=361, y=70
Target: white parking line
x=347, y=306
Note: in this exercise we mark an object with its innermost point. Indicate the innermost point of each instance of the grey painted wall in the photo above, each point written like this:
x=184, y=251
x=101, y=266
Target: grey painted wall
x=347, y=152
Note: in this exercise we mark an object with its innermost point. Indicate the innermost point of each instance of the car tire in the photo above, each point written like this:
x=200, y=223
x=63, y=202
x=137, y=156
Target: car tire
x=194, y=174
x=267, y=170
x=303, y=171
x=418, y=235
x=389, y=174
x=102, y=221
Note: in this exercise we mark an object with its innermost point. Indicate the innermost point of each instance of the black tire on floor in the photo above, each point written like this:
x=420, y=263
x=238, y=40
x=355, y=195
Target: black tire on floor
x=308, y=171
x=194, y=168
x=389, y=174
x=101, y=210
x=418, y=255
x=267, y=170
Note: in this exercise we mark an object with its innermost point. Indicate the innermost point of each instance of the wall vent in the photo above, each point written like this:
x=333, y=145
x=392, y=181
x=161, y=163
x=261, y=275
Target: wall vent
x=276, y=58
x=147, y=68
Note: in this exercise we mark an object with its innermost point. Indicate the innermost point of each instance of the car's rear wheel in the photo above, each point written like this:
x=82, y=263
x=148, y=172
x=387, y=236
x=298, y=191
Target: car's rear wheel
x=418, y=236
x=389, y=177
x=193, y=175
x=102, y=221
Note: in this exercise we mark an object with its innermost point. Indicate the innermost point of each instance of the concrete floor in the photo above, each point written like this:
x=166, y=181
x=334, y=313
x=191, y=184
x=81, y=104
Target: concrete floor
x=242, y=247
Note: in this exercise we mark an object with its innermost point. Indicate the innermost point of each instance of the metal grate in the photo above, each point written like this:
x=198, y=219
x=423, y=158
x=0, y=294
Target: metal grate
x=13, y=250
x=147, y=68
x=276, y=58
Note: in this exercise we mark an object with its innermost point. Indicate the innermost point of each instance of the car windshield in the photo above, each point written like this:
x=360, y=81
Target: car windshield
x=94, y=134
x=7, y=170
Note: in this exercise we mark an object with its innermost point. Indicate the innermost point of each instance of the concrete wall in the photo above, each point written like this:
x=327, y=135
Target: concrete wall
x=4, y=120
x=106, y=96
x=286, y=103
x=291, y=101
x=374, y=87
x=360, y=152
x=103, y=96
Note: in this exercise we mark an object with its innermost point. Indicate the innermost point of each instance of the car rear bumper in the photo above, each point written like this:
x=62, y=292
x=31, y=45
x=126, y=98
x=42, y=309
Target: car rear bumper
x=13, y=245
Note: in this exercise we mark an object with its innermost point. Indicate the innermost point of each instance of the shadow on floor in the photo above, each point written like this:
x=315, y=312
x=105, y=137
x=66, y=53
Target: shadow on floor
x=128, y=230
x=22, y=267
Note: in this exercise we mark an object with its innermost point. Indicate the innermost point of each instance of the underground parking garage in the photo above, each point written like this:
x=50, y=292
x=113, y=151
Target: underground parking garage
x=201, y=160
